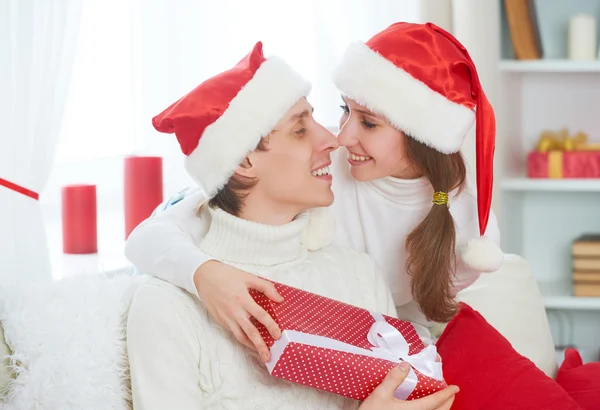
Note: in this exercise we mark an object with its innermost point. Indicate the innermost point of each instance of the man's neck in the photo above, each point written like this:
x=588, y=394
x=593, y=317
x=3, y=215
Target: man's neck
x=265, y=211
x=236, y=240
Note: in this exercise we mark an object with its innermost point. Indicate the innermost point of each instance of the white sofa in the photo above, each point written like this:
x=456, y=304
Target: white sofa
x=509, y=299
x=4, y=370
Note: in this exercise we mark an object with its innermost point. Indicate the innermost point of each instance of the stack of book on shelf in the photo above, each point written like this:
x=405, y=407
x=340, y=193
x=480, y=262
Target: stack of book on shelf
x=586, y=265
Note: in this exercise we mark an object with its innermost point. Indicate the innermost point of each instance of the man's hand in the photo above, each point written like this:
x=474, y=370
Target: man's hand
x=224, y=290
x=383, y=396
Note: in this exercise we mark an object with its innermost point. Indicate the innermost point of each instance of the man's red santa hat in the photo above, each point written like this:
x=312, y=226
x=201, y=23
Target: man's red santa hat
x=223, y=119
x=424, y=82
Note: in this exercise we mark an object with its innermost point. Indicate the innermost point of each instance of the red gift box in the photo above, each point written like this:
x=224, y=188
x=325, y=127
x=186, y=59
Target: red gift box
x=343, y=349
x=564, y=164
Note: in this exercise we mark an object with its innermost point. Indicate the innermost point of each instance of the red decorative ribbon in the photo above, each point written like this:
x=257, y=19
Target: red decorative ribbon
x=19, y=189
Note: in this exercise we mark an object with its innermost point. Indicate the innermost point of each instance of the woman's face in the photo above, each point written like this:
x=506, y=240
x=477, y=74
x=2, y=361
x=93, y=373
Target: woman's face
x=375, y=148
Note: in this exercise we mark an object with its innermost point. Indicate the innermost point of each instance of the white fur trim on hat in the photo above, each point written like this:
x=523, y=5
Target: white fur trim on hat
x=251, y=115
x=409, y=104
x=482, y=254
x=320, y=230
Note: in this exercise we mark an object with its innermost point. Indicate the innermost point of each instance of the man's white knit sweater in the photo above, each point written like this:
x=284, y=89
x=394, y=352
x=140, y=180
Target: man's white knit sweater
x=181, y=359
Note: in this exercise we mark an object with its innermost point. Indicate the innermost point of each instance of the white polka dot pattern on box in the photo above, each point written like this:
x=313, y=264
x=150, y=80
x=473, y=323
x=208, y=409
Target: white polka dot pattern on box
x=342, y=373
x=347, y=374
x=426, y=386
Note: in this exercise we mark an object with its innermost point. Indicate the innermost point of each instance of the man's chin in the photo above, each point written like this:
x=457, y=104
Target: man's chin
x=323, y=199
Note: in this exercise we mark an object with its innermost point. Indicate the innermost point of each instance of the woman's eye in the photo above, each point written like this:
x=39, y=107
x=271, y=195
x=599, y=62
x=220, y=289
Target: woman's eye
x=368, y=124
x=345, y=108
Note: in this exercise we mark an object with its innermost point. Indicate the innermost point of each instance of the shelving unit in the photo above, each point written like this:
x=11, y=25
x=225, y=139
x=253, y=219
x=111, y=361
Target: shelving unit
x=551, y=185
x=571, y=303
x=549, y=66
x=541, y=217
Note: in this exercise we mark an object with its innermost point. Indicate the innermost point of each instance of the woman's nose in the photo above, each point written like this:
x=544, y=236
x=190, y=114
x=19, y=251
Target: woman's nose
x=346, y=136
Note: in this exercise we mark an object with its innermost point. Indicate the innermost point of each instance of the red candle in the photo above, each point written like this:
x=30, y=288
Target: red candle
x=79, y=225
x=143, y=189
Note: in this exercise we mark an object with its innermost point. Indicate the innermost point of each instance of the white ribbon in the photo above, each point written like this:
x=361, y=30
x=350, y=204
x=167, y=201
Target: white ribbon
x=388, y=344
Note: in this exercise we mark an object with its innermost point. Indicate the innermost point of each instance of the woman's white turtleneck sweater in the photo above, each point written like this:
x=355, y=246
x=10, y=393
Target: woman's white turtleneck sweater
x=180, y=359
x=372, y=216
x=377, y=216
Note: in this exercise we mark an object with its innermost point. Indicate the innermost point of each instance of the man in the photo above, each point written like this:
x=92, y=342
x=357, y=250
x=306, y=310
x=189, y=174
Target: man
x=261, y=162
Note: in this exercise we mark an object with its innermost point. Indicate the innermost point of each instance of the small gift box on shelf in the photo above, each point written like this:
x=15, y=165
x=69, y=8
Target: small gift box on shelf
x=557, y=155
x=343, y=349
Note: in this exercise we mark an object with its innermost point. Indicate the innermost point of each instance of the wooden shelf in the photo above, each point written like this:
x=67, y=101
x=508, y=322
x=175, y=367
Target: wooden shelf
x=572, y=303
x=550, y=66
x=557, y=295
x=551, y=185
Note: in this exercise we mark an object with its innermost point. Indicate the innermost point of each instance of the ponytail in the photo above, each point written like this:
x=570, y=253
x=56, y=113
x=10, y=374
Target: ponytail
x=431, y=246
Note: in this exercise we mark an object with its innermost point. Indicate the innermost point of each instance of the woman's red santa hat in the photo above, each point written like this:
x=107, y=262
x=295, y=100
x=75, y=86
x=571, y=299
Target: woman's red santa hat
x=424, y=82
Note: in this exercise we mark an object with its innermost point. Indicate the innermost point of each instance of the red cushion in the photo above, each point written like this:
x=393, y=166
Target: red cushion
x=581, y=381
x=490, y=373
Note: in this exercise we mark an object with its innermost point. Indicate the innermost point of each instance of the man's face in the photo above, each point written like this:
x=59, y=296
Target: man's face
x=293, y=173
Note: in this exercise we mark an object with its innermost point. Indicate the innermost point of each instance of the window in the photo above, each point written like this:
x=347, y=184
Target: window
x=136, y=56
x=99, y=115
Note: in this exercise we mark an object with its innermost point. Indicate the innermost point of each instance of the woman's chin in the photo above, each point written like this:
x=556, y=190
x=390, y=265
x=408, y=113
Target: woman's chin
x=362, y=174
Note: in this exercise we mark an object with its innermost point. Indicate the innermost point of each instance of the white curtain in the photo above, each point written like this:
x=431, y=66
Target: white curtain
x=37, y=44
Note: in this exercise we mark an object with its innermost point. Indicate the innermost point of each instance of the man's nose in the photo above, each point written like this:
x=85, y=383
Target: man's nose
x=327, y=141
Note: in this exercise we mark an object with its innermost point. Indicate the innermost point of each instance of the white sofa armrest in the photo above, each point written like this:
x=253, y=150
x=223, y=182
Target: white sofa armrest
x=510, y=300
x=5, y=375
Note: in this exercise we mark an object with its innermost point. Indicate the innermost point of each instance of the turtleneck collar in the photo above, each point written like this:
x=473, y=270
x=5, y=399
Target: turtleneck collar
x=403, y=191
x=235, y=240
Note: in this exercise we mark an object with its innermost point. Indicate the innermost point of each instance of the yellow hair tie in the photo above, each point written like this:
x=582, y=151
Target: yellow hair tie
x=440, y=198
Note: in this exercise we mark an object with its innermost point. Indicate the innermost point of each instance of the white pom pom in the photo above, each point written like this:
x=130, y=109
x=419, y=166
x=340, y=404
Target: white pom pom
x=482, y=255
x=320, y=230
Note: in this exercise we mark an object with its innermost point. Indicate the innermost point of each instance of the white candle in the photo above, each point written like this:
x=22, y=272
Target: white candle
x=582, y=37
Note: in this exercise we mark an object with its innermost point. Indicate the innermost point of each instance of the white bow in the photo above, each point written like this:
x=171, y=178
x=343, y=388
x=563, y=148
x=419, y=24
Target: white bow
x=389, y=342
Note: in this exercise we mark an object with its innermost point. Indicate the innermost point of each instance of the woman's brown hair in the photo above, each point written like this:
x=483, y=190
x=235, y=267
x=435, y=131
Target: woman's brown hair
x=231, y=197
x=431, y=245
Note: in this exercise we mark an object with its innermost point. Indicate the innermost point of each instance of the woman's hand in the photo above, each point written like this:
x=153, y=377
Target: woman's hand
x=224, y=290
x=383, y=396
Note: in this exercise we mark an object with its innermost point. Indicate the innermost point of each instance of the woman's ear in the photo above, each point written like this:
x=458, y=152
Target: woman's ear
x=246, y=168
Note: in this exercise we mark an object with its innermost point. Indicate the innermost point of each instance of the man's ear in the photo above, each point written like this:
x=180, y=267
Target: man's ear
x=247, y=168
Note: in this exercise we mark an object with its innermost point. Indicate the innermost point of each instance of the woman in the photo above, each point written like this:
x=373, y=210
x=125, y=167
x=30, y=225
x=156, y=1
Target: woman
x=410, y=93
x=405, y=116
